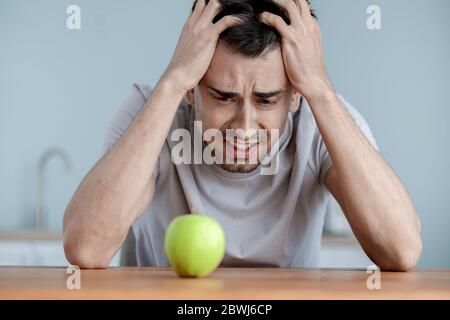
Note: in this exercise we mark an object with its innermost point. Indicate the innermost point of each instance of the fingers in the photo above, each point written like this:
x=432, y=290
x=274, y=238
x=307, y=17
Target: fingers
x=198, y=10
x=226, y=22
x=204, y=13
x=292, y=10
x=276, y=22
x=305, y=10
x=211, y=11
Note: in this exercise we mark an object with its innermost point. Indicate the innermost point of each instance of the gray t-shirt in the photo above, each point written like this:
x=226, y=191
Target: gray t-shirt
x=269, y=220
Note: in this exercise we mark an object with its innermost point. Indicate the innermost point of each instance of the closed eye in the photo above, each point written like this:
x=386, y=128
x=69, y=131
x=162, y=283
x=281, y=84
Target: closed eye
x=223, y=99
x=266, y=101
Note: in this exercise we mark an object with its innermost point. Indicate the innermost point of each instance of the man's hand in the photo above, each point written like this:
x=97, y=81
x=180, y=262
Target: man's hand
x=197, y=44
x=301, y=47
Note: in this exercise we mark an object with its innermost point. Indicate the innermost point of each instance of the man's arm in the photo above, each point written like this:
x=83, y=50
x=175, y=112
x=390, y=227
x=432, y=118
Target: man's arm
x=120, y=186
x=373, y=198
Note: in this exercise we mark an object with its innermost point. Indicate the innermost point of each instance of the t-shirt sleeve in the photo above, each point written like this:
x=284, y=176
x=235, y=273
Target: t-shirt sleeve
x=325, y=159
x=124, y=115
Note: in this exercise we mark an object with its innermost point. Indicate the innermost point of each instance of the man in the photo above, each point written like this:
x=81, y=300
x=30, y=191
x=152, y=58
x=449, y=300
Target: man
x=243, y=65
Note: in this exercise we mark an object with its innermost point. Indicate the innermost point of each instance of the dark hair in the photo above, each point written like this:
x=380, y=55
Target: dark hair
x=252, y=38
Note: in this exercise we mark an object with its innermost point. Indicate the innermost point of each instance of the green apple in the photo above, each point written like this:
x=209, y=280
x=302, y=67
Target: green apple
x=194, y=245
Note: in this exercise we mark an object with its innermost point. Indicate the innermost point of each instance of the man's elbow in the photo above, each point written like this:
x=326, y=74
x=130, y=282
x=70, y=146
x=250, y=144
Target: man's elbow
x=406, y=259
x=83, y=258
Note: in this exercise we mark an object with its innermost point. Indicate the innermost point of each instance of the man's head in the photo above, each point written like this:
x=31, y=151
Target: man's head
x=251, y=38
x=246, y=86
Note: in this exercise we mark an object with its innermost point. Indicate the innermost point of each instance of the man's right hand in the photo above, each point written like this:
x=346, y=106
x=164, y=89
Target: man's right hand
x=197, y=44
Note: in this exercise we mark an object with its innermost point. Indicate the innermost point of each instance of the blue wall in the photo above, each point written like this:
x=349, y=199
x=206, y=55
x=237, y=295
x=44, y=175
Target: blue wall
x=59, y=87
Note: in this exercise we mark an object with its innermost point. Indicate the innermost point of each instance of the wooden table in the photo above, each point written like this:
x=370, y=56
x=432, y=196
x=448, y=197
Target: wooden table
x=153, y=283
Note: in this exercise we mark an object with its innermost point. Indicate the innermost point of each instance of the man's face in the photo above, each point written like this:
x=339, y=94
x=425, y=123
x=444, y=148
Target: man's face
x=244, y=93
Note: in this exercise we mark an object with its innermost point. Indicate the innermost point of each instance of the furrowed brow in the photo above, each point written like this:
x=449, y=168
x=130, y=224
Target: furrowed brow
x=223, y=93
x=267, y=95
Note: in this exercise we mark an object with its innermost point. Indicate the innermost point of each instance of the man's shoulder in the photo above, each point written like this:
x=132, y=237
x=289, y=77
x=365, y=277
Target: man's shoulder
x=133, y=103
x=308, y=137
x=139, y=94
x=125, y=113
x=305, y=114
x=144, y=90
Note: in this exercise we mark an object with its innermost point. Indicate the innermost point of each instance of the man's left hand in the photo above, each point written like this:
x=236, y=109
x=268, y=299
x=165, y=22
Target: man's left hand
x=301, y=47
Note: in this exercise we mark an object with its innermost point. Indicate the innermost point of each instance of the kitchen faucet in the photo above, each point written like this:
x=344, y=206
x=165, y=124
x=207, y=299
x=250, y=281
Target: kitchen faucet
x=40, y=214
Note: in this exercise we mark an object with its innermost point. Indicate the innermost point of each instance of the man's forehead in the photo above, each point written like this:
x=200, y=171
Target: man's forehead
x=232, y=72
x=254, y=85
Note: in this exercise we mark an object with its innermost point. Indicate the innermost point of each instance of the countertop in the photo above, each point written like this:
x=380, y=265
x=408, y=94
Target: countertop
x=270, y=284
x=26, y=235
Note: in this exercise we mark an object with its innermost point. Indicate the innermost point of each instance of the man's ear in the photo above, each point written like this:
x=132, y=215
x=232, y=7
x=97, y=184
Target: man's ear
x=189, y=97
x=295, y=101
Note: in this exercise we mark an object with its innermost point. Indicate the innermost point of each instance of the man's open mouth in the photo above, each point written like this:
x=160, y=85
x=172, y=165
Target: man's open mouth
x=240, y=150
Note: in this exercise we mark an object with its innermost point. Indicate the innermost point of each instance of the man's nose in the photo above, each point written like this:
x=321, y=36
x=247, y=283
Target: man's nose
x=245, y=118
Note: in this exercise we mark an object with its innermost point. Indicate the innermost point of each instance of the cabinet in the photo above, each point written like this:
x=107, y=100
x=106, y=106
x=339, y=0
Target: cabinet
x=343, y=252
x=32, y=248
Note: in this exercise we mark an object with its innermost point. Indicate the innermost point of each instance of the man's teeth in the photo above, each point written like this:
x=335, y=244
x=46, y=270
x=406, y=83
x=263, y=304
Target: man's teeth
x=241, y=146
